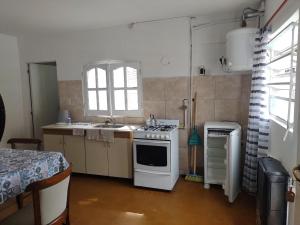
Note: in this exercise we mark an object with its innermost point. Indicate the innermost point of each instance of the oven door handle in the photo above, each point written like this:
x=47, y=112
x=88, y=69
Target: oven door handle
x=150, y=141
x=152, y=172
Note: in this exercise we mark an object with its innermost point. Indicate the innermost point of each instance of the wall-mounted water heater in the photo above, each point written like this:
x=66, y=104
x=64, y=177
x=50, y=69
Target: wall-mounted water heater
x=240, y=48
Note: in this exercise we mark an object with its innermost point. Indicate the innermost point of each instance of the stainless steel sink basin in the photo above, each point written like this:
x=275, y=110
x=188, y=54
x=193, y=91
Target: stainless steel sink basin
x=109, y=126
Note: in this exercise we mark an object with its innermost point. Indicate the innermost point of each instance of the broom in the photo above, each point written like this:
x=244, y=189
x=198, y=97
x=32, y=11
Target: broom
x=193, y=141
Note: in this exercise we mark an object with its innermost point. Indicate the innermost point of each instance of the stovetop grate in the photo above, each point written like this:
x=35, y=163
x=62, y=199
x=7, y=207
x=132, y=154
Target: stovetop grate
x=158, y=128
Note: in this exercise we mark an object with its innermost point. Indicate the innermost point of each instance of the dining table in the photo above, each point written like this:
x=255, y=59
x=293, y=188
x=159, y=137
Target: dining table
x=19, y=168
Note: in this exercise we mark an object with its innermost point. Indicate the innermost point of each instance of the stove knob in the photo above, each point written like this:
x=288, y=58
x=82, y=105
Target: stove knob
x=157, y=136
x=148, y=136
x=153, y=136
x=162, y=136
x=167, y=137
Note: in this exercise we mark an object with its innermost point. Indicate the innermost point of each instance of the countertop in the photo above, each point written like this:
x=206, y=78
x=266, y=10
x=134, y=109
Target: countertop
x=89, y=126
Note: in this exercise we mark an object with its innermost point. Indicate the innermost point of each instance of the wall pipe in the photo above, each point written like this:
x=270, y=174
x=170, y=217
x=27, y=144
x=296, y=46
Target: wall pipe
x=275, y=13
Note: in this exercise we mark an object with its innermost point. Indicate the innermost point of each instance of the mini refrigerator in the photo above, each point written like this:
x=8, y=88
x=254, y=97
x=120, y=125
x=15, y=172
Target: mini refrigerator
x=222, y=157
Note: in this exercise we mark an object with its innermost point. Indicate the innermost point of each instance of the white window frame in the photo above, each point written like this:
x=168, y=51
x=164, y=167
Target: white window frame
x=126, y=112
x=109, y=66
x=89, y=112
x=292, y=77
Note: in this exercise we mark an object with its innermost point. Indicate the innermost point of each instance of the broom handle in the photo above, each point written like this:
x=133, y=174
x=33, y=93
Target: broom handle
x=194, y=110
x=194, y=126
x=195, y=158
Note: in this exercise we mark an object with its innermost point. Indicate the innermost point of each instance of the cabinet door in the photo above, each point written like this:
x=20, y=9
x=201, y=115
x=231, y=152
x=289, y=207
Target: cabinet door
x=54, y=143
x=96, y=157
x=75, y=152
x=120, y=158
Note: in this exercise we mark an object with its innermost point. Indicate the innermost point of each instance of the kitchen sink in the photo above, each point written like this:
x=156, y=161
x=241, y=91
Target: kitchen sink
x=109, y=126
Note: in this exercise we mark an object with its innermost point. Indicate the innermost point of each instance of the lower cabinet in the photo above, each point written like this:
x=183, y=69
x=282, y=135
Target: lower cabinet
x=75, y=152
x=54, y=143
x=96, y=157
x=120, y=158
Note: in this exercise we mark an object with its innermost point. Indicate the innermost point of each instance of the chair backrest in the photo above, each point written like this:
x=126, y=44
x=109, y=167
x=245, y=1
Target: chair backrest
x=28, y=141
x=51, y=199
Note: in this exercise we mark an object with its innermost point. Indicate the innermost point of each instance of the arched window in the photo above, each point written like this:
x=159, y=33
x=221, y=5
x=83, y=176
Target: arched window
x=113, y=89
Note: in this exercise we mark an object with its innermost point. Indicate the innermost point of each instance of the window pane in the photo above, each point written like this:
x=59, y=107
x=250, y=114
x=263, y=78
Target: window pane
x=282, y=91
x=132, y=100
x=91, y=78
x=283, y=42
x=279, y=107
x=119, y=77
x=102, y=97
x=101, y=78
x=119, y=100
x=131, y=77
x=281, y=66
x=92, y=100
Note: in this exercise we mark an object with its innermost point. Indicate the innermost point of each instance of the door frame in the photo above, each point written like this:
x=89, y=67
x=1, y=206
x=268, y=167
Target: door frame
x=51, y=62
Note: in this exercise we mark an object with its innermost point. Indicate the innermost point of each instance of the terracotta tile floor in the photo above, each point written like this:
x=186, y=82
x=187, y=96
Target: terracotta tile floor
x=106, y=201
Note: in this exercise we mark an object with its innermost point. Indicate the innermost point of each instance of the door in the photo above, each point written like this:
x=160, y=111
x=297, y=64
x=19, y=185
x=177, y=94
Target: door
x=297, y=215
x=152, y=155
x=44, y=96
x=297, y=204
x=75, y=152
x=96, y=157
x=120, y=158
x=54, y=143
x=232, y=182
x=2, y=117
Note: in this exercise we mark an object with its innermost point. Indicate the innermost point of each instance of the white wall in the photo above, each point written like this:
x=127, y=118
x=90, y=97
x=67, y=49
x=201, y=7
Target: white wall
x=11, y=87
x=153, y=44
x=147, y=42
x=209, y=40
x=297, y=113
x=270, y=7
x=286, y=151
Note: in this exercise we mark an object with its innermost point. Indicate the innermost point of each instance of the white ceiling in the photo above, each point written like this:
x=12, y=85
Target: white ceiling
x=18, y=16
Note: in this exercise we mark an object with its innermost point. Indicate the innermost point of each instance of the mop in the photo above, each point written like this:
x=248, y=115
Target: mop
x=193, y=142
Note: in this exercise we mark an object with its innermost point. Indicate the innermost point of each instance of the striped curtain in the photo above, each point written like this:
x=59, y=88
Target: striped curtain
x=258, y=121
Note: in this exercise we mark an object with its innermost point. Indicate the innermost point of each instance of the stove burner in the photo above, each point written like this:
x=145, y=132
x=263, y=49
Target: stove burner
x=166, y=128
x=158, y=128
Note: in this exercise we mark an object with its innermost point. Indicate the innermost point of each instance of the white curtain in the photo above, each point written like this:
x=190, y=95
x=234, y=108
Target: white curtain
x=258, y=121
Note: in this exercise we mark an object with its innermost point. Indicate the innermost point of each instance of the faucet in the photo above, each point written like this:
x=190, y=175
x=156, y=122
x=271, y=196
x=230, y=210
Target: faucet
x=109, y=120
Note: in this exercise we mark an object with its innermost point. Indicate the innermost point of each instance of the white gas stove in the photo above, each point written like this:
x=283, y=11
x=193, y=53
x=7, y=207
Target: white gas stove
x=156, y=155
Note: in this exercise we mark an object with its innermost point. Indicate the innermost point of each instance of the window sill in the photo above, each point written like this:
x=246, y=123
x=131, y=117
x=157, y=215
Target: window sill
x=115, y=116
x=103, y=115
x=280, y=123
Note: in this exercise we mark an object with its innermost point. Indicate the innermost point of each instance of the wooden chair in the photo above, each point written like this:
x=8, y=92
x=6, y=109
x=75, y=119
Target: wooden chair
x=26, y=141
x=50, y=202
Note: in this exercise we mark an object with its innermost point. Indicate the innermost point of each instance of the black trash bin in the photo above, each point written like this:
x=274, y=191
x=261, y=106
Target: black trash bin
x=272, y=181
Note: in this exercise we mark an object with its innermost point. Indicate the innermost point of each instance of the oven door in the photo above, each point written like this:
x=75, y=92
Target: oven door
x=152, y=155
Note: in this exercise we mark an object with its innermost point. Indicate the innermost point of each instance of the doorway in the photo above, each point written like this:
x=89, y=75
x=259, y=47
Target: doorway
x=44, y=101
